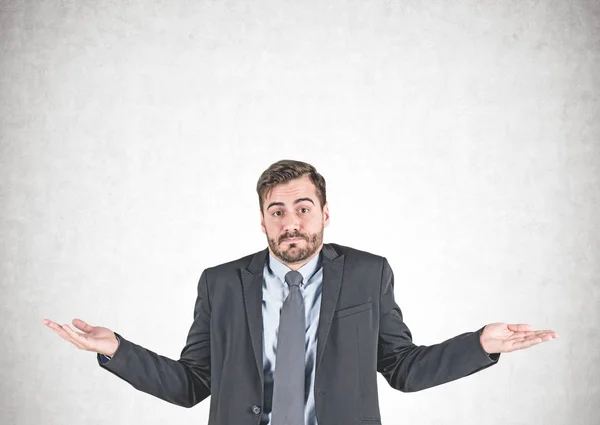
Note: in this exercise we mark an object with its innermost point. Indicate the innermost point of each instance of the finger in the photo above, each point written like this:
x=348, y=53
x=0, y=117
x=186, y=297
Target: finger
x=532, y=340
x=73, y=340
x=60, y=331
x=82, y=326
x=519, y=345
x=548, y=336
x=78, y=339
x=69, y=336
x=49, y=323
x=527, y=334
x=547, y=333
x=521, y=327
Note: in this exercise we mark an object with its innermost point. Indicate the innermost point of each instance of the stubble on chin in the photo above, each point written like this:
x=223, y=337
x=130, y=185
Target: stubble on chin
x=301, y=254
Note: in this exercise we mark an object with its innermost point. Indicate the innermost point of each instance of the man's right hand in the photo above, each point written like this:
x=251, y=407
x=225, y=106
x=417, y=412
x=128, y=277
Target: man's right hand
x=95, y=338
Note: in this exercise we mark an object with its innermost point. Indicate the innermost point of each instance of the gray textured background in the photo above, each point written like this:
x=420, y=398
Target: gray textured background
x=459, y=139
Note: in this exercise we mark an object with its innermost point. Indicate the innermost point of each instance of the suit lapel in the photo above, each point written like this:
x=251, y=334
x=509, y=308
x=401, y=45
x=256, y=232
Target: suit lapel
x=333, y=266
x=252, y=283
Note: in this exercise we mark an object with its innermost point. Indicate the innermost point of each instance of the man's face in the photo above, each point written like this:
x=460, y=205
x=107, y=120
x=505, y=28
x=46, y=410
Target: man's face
x=294, y=221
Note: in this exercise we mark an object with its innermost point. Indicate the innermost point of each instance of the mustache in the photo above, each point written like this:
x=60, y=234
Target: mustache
x=290, y=236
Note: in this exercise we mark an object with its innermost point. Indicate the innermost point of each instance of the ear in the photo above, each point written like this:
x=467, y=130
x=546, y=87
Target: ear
x=325, y=215
x=262, y=223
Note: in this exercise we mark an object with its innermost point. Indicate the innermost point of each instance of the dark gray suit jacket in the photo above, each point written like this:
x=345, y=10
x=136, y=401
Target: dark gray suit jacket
x=360, y=332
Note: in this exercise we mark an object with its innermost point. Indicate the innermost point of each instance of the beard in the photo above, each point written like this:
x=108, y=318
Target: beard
x=294, y=254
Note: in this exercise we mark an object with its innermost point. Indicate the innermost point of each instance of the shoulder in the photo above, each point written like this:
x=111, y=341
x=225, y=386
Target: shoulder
x=357, y=255
x=233, y=265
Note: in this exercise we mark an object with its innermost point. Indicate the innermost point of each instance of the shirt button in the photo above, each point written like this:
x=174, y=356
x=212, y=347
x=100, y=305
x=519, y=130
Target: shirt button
x=255, y=409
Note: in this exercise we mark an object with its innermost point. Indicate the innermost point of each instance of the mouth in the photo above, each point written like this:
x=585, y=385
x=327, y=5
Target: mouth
x=291, y=240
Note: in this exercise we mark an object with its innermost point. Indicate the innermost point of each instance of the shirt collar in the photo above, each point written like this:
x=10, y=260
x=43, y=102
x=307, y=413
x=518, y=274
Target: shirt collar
x=308, y=270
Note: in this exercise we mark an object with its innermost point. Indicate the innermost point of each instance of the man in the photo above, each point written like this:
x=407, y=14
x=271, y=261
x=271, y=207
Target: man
x=294, y=334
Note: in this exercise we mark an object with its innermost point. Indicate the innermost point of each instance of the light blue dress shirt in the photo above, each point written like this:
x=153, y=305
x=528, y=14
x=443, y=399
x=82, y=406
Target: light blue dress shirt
x=275, y=291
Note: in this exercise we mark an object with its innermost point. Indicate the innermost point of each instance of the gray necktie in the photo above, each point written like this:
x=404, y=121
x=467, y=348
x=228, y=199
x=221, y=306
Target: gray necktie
x=288, y=380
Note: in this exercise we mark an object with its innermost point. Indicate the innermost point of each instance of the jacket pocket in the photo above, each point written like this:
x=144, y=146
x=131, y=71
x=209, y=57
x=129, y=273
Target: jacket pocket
x=352, y=310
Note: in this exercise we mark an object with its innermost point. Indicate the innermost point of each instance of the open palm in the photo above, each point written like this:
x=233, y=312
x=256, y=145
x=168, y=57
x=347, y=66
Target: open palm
x=504, y=338
x=94, y=338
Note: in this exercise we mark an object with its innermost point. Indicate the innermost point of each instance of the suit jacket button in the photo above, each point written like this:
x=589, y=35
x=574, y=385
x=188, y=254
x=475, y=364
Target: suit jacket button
x=255, y=409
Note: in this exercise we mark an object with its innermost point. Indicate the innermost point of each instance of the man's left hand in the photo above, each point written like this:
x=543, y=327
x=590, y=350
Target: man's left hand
x=504, y=338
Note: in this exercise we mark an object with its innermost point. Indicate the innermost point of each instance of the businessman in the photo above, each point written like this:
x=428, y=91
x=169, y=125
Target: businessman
x=294, y=334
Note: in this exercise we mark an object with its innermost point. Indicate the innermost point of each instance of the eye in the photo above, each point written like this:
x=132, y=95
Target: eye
x=304, y=209
x=277, y=213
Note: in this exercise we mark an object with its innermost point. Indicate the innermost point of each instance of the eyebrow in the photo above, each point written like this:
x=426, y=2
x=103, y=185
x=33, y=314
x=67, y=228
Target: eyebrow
x=273, y=204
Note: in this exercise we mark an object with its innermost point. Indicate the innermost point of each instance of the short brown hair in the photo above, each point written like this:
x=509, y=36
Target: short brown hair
x=284, y=171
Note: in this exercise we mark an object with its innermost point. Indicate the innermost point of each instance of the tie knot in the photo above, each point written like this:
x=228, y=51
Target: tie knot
x=293, y=278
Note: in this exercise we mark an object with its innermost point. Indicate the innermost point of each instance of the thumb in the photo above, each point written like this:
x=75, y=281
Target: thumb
x=81, y=325
x=521, y=327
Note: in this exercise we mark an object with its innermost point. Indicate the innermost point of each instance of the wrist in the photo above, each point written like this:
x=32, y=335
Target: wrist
x=481, y=340
x=118, y=343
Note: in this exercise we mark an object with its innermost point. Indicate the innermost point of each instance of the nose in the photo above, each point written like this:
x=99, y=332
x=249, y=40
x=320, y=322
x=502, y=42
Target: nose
x=291, y=223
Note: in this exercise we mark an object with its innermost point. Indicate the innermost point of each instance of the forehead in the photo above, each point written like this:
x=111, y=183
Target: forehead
x=300, y=187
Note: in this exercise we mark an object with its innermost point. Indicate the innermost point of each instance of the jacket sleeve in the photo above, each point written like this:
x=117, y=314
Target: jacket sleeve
x=408, y=367
x=184, y=382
